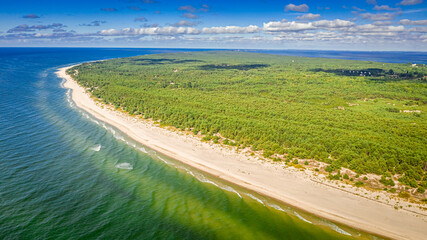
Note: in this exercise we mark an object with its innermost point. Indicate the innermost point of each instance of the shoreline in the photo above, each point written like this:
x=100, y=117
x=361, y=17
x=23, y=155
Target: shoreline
x=289, y=186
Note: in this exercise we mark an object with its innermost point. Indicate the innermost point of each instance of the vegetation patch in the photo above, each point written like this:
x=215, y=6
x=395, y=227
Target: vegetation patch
x=365, y=116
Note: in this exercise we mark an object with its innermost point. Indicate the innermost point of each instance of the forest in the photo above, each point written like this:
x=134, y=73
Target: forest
x=366, y=116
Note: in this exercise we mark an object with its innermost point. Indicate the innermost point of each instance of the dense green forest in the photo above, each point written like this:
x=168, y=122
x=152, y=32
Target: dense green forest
x=366, y=116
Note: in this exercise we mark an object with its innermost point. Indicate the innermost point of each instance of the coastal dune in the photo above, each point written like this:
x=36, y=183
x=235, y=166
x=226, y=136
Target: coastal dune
x=290, y=186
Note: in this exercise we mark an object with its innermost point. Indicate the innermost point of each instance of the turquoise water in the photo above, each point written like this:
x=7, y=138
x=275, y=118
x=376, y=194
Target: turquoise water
x=66, y=175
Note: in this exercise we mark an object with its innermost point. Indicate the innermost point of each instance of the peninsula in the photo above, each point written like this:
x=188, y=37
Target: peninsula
x=344, y=140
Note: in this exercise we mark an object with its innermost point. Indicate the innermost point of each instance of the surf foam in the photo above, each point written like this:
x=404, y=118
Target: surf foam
x=255, y=198
x=125, y=165
x=96, y=148
x=230, y=189
x=300, y=217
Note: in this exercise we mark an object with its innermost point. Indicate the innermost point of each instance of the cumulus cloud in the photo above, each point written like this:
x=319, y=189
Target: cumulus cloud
x=385, y=8
x=296, y=8
x=189, y=16
x=109, y=9
x=285, y=26
x=205, y=8
x=187, y=8
x=378, y=16
x=382, y=23
x=410, y=22
x=31, y=16
x=293, y=26
x=93, y=23
x=192, y=9
x=56, y=36
x=358, y=9
x=419, y=29
x=410, y=2
x=153, y=25
x=150, y=31
x=140, y=19
x=184, y=23
x=337, y=23
x=231, y=30
x=27, y=28
x=309, y=16
x=371, y=28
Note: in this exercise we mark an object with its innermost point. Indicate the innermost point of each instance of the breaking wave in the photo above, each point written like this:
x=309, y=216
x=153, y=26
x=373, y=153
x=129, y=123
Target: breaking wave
x=96, y=148
x=125, y=165
x=300, y=217
x=255, y=198
x=230, y=189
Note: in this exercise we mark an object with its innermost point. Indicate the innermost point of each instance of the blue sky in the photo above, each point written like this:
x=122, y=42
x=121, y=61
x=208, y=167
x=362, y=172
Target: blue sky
x=396, y=25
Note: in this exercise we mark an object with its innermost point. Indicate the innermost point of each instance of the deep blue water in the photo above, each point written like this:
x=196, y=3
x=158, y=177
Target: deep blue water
x=389, y=57
x=60, y=175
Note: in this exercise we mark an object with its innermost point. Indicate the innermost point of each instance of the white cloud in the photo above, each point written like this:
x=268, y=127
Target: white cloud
x=385, y=8
x=374, y=28
x=358, y=9
x=150, y=31
x=337, y=23
x=296, y=8
x=410, y=22
x=187, y=8
x=231, y=29
x=189, y=16
x=309, y=16
x=373, y=2
x=287, y=26
x=410, y=2
x=419, y=29
x=284, y=26
x=378, y=16
x=180, y=31
x=184, y=23
x=382, y=23
x=141, y=19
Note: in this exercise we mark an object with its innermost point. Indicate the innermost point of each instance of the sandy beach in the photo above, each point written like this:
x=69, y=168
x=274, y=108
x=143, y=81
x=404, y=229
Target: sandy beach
x=351, y=206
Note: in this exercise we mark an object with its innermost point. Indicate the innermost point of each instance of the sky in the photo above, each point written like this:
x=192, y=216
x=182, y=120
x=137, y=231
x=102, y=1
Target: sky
x=370, y=25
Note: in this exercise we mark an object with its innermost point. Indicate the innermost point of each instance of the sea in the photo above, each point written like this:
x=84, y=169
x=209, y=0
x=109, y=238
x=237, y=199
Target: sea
x=67, y=175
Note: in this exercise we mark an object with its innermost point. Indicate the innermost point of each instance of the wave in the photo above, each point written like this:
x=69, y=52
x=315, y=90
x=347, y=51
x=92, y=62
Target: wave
x=167, y=162
x=191, y=173
x=69, y=100
x=278, y=208
x=255, y=198
x=125, y=165
x=300, y=217
x=202, y=178
x=338, y=229
x=230, y=189
x=96, y=148
x=93, y=120
x=142, y=149
x=115, y=134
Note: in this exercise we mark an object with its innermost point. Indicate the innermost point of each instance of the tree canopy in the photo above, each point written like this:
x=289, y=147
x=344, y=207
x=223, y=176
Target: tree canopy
x=366, y=116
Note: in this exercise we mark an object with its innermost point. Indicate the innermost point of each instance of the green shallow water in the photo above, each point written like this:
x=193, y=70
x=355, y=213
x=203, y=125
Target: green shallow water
x=66, y=175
